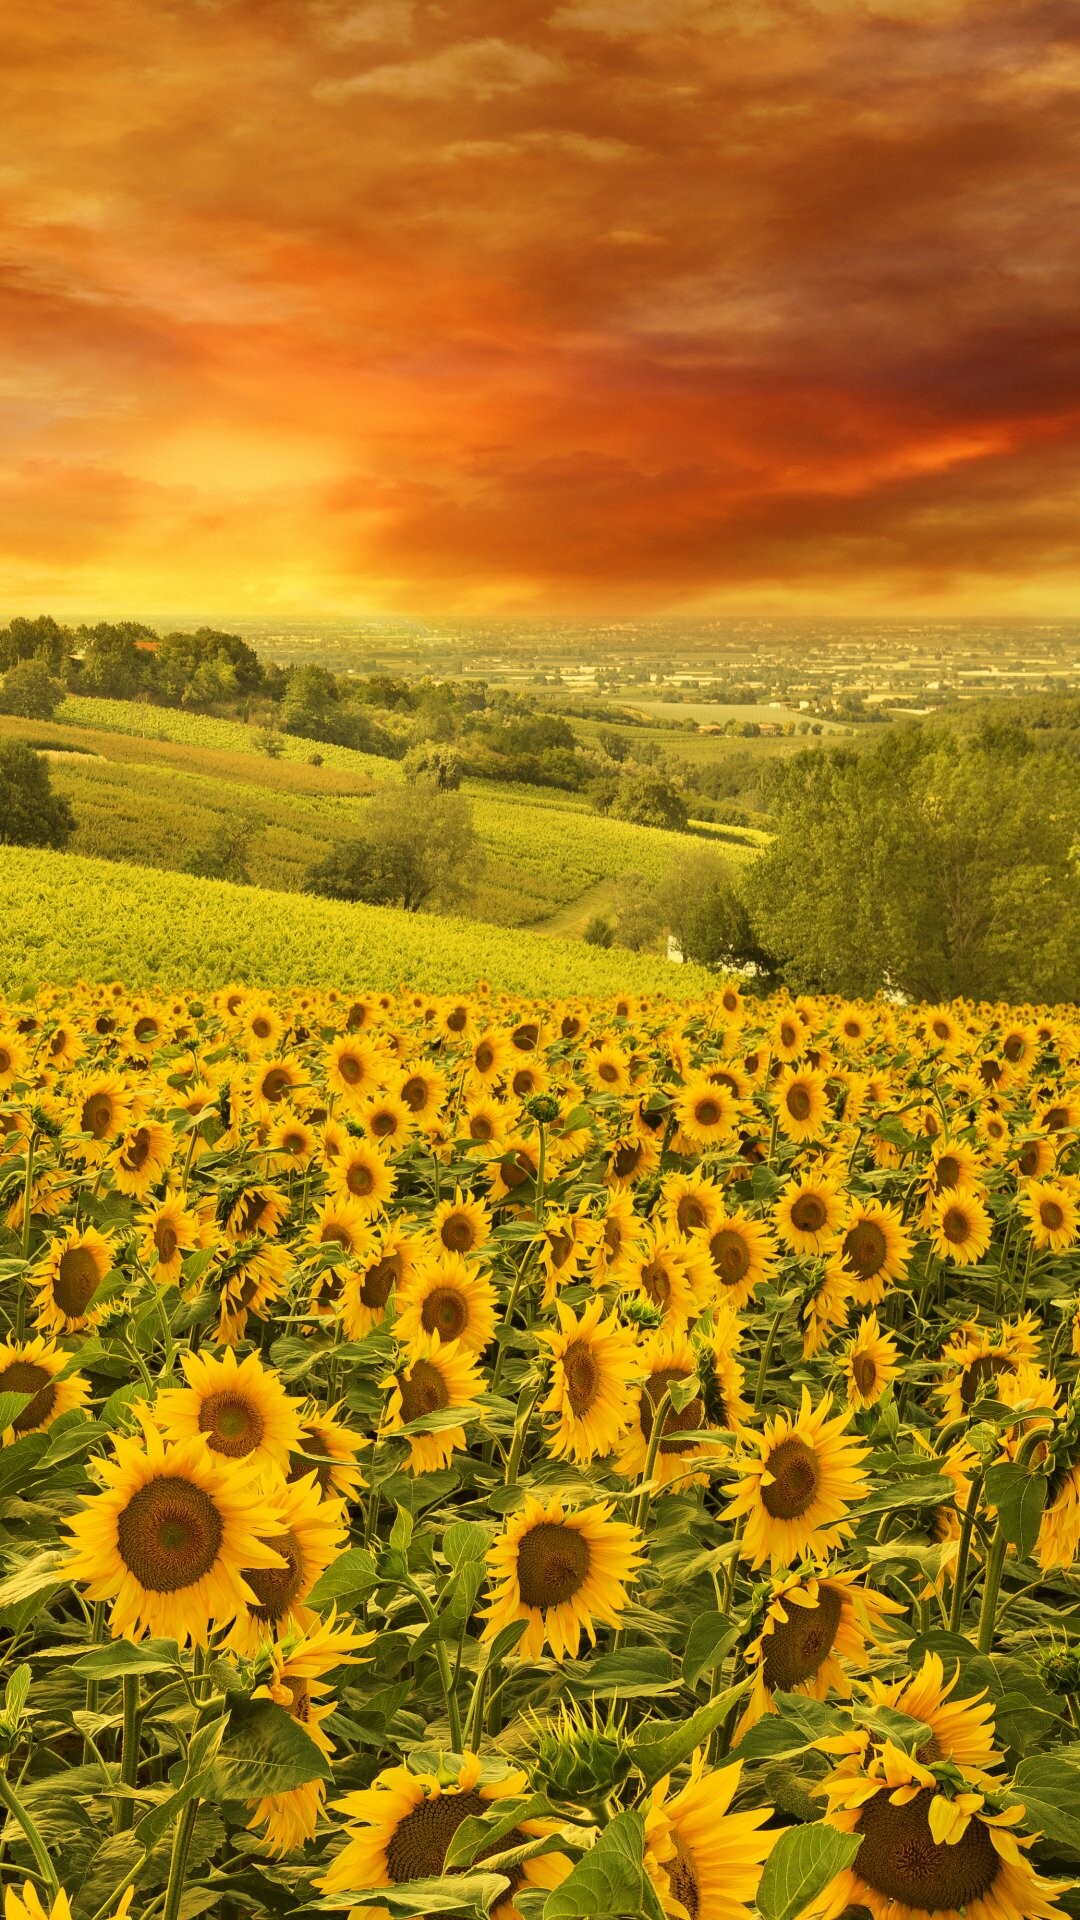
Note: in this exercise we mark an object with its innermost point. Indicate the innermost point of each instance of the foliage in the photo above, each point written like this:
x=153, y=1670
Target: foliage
x=941, y=864
x=31, y=814
x=29, y=689
x=419, y=848
x=227, y=853
x=650, y=798
x=698, y=901
x=441, y=766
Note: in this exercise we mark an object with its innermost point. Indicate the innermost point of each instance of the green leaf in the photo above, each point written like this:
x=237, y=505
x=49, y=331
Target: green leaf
x=576, y=1118
x=19, y=1460
x=708, y=1640
x=932, y=1490
x=484, y=1830
x=473, y=1894
x=402, y=1530
x=900, y=1728
x=802, y=1862
x=465, y=1540
x=1019, y=1496
x=660, y=1745
x=192, y=1784
x=15, y=1692
x=347, y=1578
x=610, y=1879
x=633, y=1673
x=44, y=1570
x=797, y=1723
x=265, y=1750
x=1048, y=1785
x=111, y=1663
x=72, y=1442
x=11, y=1405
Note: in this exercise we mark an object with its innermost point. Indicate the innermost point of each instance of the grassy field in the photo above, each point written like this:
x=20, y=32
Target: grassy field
x=150, y=800
x=66, y=918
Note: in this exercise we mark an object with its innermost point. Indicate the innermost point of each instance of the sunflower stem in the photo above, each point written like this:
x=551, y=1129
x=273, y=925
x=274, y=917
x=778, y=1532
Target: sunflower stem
x=10, y=1799
x=988, y=1614
x=962, y=1551
x=174, y=1891
x=129, y=1751
x=453, y=1711
x=97, y=1637
x=28, y=1187
x=521, y=1431
x=660, y=1414
x=538, y=1209
x=763, y=1369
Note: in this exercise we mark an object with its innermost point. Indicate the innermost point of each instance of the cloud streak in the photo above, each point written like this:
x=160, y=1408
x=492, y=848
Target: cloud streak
x=387, y=306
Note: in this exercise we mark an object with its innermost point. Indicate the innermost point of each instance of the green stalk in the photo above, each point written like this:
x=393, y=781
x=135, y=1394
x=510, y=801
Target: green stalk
x=28, y=1186
x=660, y=1415
x=97, y=1637
x=174, y=1891
x=520, y=1434
x=995, y=1563
x=962, y=1552
x=763, y=1370
x=10, y=1799
x=129, y=1752
x=453, y=1712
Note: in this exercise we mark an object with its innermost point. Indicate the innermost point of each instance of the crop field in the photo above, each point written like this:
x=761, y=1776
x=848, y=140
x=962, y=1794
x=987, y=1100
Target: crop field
x=67, y=918
x=148, y=801
x=479, y=1453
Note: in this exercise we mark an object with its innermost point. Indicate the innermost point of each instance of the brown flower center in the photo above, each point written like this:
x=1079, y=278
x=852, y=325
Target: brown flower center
x=582, y=1376
x=865, y=1249
x=978, y=1374
x=97, y=1115
x=808, y=1213
x=299, y=1467
x=730, y=1256
x=169, y=1534
x=457, y=1233
x=515, y=1168
x=626, y=1160
x=417, y=1847
x=415, y=1093
x=22, y=1376
x=957, y=1225
x=350, y=1069
x=690, y=1214
x=423, y=1390
x=277, y=1587
x=360, y=1180
x=682, y=1876
x=77, y=1279
x=276, y=1083
x=900, y=1858
x=797, y=1101
x=797, y=1646
x=166, y=1240
x=864, y=1373
x=445, y=1312
x=1052, y=1215
x=232, y=1425
x=379, y=1280
x=552, y=1563
x=525, y=1037
x=484, y=1057
x=794, y=1469
x=708, y=1113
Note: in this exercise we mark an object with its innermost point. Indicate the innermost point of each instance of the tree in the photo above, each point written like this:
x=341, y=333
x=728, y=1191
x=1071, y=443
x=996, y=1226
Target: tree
x=938, y=864
x=700, y=903
x=430, y=760
x=31, y=814
x=28, y=689
x=113, y=666
x=227, y=852
x=652, y=799
x=420, y=848
x=599, y=931
x=205, y=668
x=40, y=639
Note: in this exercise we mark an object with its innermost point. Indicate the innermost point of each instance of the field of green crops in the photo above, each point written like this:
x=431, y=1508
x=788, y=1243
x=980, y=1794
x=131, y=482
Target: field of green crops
x=150, y=796
x=67, y=918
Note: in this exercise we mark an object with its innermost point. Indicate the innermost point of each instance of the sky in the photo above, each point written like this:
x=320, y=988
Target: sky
x=540, y=307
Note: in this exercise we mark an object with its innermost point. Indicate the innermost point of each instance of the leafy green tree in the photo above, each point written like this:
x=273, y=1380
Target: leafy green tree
x=40, y=639
x=939, y=864
x=651, y=799
x=345, y=872
x=701, y=905
x=227, y=852
x=205, y=668
x=28, y=689
x=31, y=814
x=113, y=665
x=599, y=931
x=435, y=762
x=419, y=849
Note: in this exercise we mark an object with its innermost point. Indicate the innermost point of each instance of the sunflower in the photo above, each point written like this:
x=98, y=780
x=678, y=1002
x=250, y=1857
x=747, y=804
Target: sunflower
x=385, y=1118
x=297, y=1683
x=238, y=1407
x=978, y=1359
x=305, y=1534
x=407, y=1820
x=608, y=1069
x=69, y=1279
x=256, y=1208
x=961, y=1227
x=293, y=1140
x=632, y=1155
x=170, y=1231
x=874, y=1250
x=952, y=1165
x=28, y=1905
x=1052, y=1214
x=368, y=1286
x=169, y=1539
x=328, y=1450
x=742, y=1253
x=362, y=1178
x=14, y=1059
x=929, y=1848
x=704, y=1861
x=35, y=1367
x=562, y=1570
x=342, y=1225
x=801, y=1103
x=1035, y=1157
x=959, y=1731
x=799, y=1480
x=809, y=1213
x=593, y=1362
x=486, y=1123
x=690, y=1203
x=461, y=1225
x=100, y=1111
x=680, y=1458
x=943, y=1032
x=788, y=1035
x=450, y=1298
x=516, y=1167
x=355, y=1069
x=567, y=1245
x=674, y=1276
x=815, y=1618
x=141, y=1158
x=432, y=1375
x=261, y=1025
x=823, y=1308
x=490, y=1054
x=870, y=1364
x=250, y=1282
x=1059, y=1529
x=707, y=1113
x=618, y=1230
x=271, y=1083
x=423, y=1090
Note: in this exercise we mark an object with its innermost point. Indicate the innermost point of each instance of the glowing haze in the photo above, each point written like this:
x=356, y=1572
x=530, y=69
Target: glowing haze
x=493, y=306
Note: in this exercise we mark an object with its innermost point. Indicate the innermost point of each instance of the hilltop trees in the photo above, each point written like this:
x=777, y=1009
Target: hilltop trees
x=419, y=849
x=29, y=690
x=31, y=814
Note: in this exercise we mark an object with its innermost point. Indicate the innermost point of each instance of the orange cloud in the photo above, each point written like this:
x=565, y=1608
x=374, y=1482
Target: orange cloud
x=703, y=303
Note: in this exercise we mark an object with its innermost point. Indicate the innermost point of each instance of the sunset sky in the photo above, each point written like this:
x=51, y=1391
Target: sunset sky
x=540, y=306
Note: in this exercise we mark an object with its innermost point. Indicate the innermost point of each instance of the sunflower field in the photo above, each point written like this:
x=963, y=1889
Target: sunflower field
x=471, y=1455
